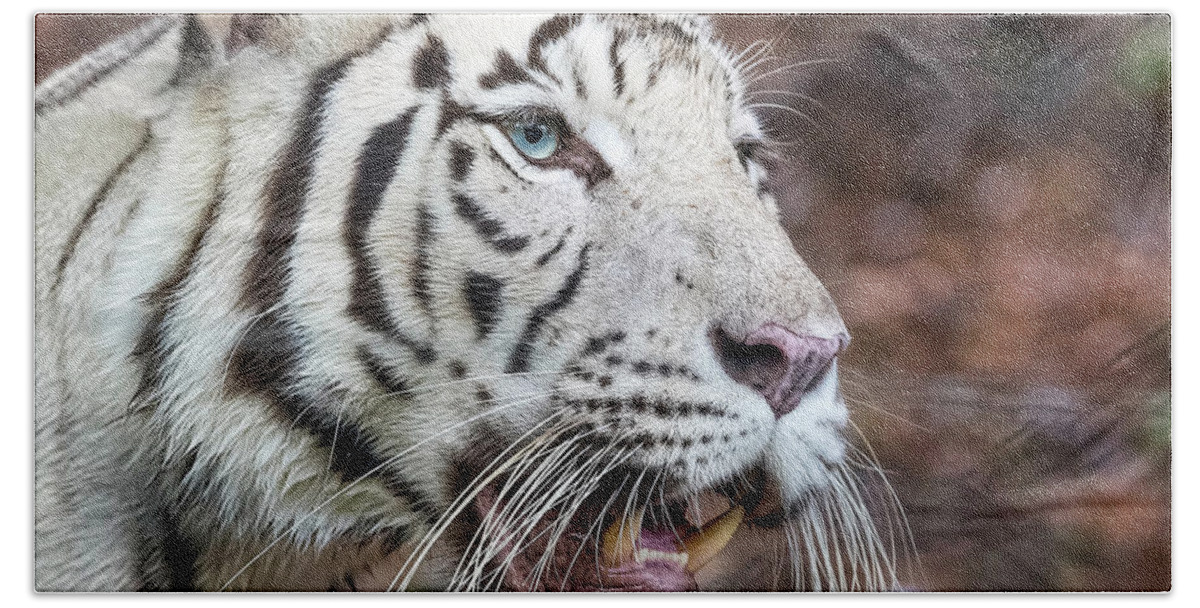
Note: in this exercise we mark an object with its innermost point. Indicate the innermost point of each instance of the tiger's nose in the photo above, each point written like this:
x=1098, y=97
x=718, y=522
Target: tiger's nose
x=777, y=363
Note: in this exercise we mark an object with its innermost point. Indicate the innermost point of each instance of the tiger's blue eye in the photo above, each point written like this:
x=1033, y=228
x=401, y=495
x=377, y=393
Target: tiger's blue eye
x=537, y=140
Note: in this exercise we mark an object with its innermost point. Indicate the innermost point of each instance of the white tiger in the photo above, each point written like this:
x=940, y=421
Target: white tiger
x=462, y=302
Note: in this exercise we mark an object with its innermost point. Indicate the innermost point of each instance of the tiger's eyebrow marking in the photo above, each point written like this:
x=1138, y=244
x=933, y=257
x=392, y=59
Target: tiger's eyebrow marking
x=506, y=71
x=431, y=65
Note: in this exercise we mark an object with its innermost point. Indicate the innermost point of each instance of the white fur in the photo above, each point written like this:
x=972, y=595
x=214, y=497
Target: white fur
x=273, y=516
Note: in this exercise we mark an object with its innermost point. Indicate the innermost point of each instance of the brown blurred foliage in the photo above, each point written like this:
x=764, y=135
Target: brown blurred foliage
x=988, y=199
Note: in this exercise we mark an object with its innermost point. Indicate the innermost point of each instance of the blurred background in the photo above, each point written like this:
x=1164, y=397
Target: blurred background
x=988, y=199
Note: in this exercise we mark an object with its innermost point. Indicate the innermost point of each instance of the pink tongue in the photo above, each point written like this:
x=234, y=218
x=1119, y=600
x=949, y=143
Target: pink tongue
x=653, y=575
x=657, y=539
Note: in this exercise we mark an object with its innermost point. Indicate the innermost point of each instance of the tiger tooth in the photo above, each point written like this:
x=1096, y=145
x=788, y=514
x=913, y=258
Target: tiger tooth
x=621, y=538
x=704, y=545
x=645, y=555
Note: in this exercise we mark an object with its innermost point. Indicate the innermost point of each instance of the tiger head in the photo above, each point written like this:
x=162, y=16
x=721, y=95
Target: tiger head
x=522, y=275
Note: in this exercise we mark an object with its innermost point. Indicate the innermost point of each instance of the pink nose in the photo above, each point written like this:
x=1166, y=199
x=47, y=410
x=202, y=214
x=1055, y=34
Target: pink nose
x=777, y=363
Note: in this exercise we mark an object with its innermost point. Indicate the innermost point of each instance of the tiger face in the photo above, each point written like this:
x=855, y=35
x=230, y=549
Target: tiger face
x=599, y=266
x=503, y=303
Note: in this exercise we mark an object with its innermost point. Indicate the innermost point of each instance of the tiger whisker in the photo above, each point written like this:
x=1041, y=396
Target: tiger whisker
x=582, y=492
x=461, y=502
x=762, y=45
x=560, y=487
x=572, y=490
x=795, y=94
x=776, y=106
x=894, y=504
x=519, y=505
x=389, y=461
x=519, y=459
x=757, y=77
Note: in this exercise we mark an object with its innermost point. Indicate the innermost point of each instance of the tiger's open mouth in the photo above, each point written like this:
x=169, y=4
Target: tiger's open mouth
x=610, y=545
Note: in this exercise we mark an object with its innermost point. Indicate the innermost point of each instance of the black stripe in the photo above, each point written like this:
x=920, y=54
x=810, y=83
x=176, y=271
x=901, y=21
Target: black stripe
x=547, y=33
x=656, y=66
x=499, y=160
x=381, y=372
x=270, y=356
x=618, y=66
x=177, y=550
x=376, y=168
x=461, y=158
x=266, y=359
x=485, y=298
x=352, y=454
x=506, y=71
x=54, y=99
x=266, y=275
x=179, y=554
x=546, y=257
x=431, y=65
x=151, y=343
x=89, y=214
x=419, y=278
x=577, y=78
x=450, y=114
x=518, y=361
x=486, y=227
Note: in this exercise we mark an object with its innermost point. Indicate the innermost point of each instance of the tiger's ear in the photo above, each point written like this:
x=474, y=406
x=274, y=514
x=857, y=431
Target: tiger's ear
x=310, y=40
x=228, y=33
